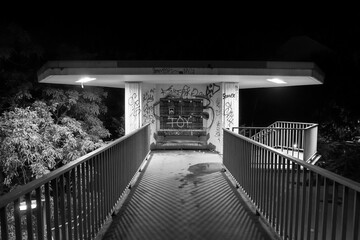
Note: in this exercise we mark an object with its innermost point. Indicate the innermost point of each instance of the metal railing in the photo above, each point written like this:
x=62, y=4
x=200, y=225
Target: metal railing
x=299, y=200
x=294, y=138
x=74, y=201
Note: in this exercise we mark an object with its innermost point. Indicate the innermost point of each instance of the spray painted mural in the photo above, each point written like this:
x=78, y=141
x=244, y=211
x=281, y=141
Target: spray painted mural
x=230, y=100
x=132, y=106
x=200, y=110
x=183, y=107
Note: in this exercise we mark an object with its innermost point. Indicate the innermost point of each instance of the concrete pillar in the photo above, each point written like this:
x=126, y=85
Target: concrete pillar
x=133, y=106
x=230, y=105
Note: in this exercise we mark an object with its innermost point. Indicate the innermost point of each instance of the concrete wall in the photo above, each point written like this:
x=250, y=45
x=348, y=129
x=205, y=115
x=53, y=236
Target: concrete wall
x=148, y=107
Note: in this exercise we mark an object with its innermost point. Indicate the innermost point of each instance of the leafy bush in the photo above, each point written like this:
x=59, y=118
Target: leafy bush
x=342, y=158
x=32, y=144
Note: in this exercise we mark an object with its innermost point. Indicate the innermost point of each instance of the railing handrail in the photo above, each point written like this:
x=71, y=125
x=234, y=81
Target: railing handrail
x=312, y=126
x=304, y=123
x=22, y=190
x=321, y=171
x=270, y=127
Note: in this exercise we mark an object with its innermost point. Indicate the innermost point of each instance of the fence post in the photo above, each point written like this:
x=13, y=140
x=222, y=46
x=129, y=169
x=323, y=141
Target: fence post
x=310, y=141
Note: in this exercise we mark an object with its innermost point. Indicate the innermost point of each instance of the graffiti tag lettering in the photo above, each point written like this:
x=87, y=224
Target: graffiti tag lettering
x=134, y=104
x=148, y=110
x=229, y=114
x=173, y=71
x=218, y=111
x=232, y=95
x=180, y=122
x=211, y=89
x=183, y=92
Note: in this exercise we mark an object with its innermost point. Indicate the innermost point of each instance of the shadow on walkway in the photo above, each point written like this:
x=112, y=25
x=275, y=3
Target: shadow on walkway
x=185, y=195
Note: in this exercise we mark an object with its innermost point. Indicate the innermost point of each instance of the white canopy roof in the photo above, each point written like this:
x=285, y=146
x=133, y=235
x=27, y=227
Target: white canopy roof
x=116, y=73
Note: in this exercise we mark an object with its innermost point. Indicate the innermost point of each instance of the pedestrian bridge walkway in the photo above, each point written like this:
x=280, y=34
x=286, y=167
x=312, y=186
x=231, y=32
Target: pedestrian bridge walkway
x=258, y=193
x=185, y=195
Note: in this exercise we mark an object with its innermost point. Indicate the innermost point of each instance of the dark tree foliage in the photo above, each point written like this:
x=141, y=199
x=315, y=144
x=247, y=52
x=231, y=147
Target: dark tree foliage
x=43, y=127
x=19, y=59
x=337, y=143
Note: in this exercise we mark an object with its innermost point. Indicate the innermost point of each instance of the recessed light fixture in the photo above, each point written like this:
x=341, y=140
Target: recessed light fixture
x=84, y=80
x=276, y=80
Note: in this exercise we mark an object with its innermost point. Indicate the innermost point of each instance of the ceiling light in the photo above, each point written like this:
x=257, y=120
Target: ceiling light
x=85, y=79
x=276, y=80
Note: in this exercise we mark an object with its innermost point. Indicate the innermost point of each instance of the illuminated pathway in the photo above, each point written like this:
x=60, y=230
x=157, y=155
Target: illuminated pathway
x=185, y=195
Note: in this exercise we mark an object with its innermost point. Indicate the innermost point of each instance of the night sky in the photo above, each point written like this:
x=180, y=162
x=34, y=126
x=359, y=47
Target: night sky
x=137, y=34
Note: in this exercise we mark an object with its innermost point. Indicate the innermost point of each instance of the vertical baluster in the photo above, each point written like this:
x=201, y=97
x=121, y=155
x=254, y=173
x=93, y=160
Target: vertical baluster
x=317, y=206
x=325, y=208
x=251, y=172
x=297, y=200
x=263, y=178
x=278, y=192
x=80, y=212
x=69, y=189
x=282, y=195
x=74, y=177
x=254, y=165
x=29, y=223
x=246, y=168
x=267, y=182
x=334, y=210
x=96, y=191
x=103, y=187
x=85, y=202
x=303, y=143
x=92, y=196
x=287, y=200
x=112, y=157
x=274, y=194
x=292, y=200
x=355, y=221
x=271, y=188
x=48, y=211
x=108, y=182
x=309, y=212
x=344, y=211
x=88, y=199
x=62, y=207
x=4, y=223
x=39, y=215
x=298, y=138
x=17, y=218
x=303, y=203
x=259, y=175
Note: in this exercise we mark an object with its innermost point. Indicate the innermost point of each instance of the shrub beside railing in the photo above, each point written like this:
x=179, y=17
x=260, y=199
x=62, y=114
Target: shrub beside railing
x=74, y=201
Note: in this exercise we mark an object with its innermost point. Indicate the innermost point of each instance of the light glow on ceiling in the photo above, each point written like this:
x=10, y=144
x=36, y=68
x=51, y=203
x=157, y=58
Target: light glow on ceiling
x=85, y=79
x=276, y=80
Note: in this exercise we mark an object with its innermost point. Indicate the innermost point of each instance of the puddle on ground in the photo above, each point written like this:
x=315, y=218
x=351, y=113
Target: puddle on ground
x=198, y=170
x=205, y=168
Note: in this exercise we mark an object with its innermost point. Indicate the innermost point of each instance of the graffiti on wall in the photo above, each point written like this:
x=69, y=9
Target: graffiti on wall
x=229, y=114
x=231, y=95
x=184, y=92
x=218, y=107
x=148, y=109
x=180, y=121
x=218, y=131
x=173, y=70
x=134, y=104
x=211, y=89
